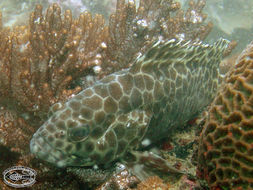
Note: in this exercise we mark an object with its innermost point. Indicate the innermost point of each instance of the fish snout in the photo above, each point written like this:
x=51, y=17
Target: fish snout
x=44, y=151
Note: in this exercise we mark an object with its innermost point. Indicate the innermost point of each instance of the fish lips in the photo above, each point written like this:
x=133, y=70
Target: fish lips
x=45, y=151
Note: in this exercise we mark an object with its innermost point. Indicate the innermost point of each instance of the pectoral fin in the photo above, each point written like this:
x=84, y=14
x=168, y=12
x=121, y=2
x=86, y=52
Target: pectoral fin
x=145, y=164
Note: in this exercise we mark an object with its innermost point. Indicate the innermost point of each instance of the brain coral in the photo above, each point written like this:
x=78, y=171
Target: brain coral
x=226, y=143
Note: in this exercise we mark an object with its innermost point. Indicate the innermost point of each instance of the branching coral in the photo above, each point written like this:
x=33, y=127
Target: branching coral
x=132, y=31
x=9, y=138
x=44, y=57
x=39, y=61
x=55, y=56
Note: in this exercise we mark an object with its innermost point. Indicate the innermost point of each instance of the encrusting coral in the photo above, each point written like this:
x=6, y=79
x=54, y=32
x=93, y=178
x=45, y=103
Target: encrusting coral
x=226, y=149
x=153, y=183
x=55, y=56
x=121, y=180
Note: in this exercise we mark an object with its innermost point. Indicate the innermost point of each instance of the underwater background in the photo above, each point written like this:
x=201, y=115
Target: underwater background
x=48, y=54
x=231, y=19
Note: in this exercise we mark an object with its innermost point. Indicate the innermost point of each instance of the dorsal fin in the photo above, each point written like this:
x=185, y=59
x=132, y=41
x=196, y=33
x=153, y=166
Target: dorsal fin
x=175, y=50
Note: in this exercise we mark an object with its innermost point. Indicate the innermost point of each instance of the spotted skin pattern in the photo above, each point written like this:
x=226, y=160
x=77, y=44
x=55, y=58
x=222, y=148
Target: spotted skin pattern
x=163, y=89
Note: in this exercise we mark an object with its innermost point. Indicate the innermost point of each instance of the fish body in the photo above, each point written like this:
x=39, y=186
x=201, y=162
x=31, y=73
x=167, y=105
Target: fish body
x=164, y=88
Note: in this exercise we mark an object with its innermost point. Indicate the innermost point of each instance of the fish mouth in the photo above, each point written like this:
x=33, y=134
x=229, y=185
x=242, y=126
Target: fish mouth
x=45, y=151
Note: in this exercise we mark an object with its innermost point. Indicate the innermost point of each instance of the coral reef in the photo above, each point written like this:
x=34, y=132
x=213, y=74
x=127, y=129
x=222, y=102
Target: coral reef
x=225, y=151
x=39, y=61
x=122, y=180
x=153, y=183
x=229, y=16
x=16, y=11
x=55, y=56
x=228, y=63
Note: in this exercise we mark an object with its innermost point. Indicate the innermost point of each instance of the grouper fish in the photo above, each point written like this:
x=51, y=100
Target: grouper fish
x=114, y=118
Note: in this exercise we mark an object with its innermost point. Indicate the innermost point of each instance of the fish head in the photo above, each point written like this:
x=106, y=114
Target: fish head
x=75, y=137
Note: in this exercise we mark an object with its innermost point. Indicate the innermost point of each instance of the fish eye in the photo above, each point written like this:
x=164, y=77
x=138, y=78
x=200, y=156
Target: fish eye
x=78, y=134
